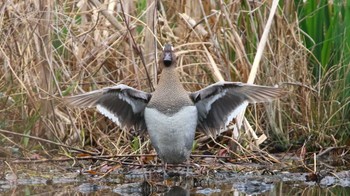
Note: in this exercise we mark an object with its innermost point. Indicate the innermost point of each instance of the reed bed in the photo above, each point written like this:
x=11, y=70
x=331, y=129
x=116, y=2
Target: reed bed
x=51, y=49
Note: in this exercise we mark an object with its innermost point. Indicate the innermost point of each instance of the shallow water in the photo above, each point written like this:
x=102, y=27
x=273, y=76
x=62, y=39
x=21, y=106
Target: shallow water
x=140, y=182
x=102, y=177
x=279, y=188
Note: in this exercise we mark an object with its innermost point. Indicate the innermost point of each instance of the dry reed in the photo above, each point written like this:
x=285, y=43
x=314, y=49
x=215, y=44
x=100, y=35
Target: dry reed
x=50, y=49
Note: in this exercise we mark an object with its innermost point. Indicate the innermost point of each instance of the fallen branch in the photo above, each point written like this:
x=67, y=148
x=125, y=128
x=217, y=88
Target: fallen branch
x=101, y=157
x=46, y=141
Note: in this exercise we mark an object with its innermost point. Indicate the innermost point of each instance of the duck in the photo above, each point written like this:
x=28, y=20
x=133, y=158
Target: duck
x=170, y=114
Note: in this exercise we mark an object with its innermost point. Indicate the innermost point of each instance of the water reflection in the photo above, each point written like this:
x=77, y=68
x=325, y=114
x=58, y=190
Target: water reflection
x=220, y=184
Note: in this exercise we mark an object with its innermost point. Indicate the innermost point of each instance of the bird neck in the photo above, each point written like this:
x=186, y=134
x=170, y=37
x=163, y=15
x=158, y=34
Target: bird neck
x=169, y=77
x=169, y=96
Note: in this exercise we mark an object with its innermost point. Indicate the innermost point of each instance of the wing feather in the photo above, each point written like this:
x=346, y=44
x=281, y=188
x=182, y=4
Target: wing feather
x=221, y=102
x=124, y=105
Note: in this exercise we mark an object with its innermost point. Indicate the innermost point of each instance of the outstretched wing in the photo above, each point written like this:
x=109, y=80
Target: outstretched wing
x=221, y=102
x=122, y=104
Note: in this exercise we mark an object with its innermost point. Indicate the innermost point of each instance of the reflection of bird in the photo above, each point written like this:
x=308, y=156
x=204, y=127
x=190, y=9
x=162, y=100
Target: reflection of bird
x=178, y=191
x=170, y=114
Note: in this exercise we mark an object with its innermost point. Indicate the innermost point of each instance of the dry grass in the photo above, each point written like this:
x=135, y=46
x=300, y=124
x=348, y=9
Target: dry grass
x=50, y=49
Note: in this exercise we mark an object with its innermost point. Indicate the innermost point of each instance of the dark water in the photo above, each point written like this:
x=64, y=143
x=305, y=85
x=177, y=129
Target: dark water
x=153, y=183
